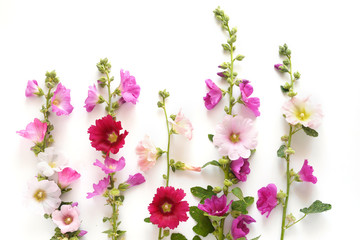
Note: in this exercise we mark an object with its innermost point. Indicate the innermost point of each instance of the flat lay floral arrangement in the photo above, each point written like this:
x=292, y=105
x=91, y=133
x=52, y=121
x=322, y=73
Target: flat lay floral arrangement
x=221, y=212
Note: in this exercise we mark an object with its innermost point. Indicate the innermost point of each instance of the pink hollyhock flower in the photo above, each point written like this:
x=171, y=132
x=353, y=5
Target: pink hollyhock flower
x=67, y=176
x=130, y=91
x=267, y=199
x=35, y=131
x=302, y=111
x=105, y=135
x=278, y=66
x=147, y=153
x=215, y=206
x=99, y=188
x=32, y=88
x=67, y=219
x=240, y=168
x=135, y=180
x=111, y=165
x=213, y=97
x=50, y=161
x=82, y=233
x=60, y=102
x=181, y=125
x=306, y=173
x=253, y=103
x=239, y=228
x=235, y=137
x=92, y=99
x=167, y=209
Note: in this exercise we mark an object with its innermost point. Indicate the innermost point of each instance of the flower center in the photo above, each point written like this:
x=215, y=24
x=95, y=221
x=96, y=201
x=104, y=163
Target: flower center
x=166, y=207
x=302, y=115
x=56, y=102
x=52, y=164
x=235, y=137
x=68, y=220
x=112, y=137
x=40, y=195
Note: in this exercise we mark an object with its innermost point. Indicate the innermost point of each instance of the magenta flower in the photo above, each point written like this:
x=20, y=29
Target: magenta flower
x=135, y=180
x=253, y=103
x=130, y=91
x=215, y=206
x=278, y=66
x=111, y=165
x=267, y=199
x=306, y=173
x=82, y=233
x=240, y=168
x=239, y=228
x=35, y=131
x=92, y=99
x=182, y=125
x=67, y=219
x=213, y=97
x=99, y=188
x=32, y=88
x=67, y=176
x=60, y=102
x=235, y=137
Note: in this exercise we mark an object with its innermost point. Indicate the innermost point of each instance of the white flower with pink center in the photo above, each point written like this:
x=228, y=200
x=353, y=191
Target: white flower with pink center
x=181, y=125
x=67, y=219
x=302, y=111
x=50, y=162
x=235, y=137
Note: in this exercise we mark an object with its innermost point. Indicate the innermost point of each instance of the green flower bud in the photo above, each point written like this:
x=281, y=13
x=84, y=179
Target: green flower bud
x=297, y=75
x=173, y=116
x=285, y=138
x=292, y=94
x=101, y=99
x=160, y=104
x=114, y=192
x=74, y=238
x=228, y=183
x=290, y=218
x=281, y=195
x=223, y=161
x=166, y=232
x=240, y=57
x=290, y=151
x=217, y=189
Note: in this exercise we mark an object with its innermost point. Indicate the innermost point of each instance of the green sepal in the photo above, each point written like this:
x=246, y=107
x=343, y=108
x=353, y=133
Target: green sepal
x=202, y=193
x=204, y=225
x=281, y=151
x=213, y=162
x=283, y=89
x=178, y=236
x=310, y=132
x=211, y=137
x=147, y=220
x=316, y=207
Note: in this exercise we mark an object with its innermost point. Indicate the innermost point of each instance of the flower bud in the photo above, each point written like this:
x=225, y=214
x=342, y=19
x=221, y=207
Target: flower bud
x=281, y=195
x=223, y=161
x=217, y=189
x=224, y=65
x=114, y=192
x=228, y=183
x=297, y=75
x=292, y=94
x=290, y=151
x=285, y=138
x=166, y=232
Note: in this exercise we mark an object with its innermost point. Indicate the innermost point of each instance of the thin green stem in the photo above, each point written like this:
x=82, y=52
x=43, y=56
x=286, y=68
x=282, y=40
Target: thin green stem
x=160, y=233
x=168, y=145
x=290, y=225
x=110, y=95
x=231, y=82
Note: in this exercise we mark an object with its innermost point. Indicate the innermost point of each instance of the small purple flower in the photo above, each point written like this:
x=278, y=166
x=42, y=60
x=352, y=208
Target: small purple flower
x=306, y=173
x=92, y=99
x=60, y=102
x=278, y=66
x=135, y=180
x=239, y=228
x=99, y=188
x=221, y=74
x=82, y=233
x=215, y=206
x=213, y=97
x=111, y=165
x=240, y=168
x=267, y=199
x=130, y=91
x=32, y=88
x=253, y=103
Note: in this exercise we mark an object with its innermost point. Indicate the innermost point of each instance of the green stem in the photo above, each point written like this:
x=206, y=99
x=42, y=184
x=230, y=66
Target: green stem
x=168, y=146
x=110, y=95
x=289, y=226
x=231, y=103
x=160, y=233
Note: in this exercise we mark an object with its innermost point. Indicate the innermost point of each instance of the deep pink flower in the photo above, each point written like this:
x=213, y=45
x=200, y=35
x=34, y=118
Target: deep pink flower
x=253, y=103
x=235, y=137
x=105, y=135
x=213, y=97
x=111, y=165
x=35, y=131
x=135, y=180
x=239, y=228
x=99, y=188
x=240, y=168
x=215, y=206
x=67, y=176
x=32, y=88
x=147, y=153
x=60, y=102
x=82, y=233
x=130, y=91
x=306, y=173
x=67, y=219
x=182, y=125
x=92, y=99
x=267, y=199
x=167, y=209
x=278, y=66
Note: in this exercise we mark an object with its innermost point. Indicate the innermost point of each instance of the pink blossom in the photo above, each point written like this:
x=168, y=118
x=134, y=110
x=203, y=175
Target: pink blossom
x=267, y=199
x=67, y=176
x=235, y=137
x=67, y=219
x=182, y=125
x=240, y=168
x=302, y=111
x=147, y=154
x=60, y=102
x=278, y=66
x=135, y=180
x=130, y=91
x=213, y=97
x=111, y=165
x=192, y=168
x=99, y=188
x=215, y=206
x=35, y=131
x=82, y=233
x=239, y=228
x=32, y=88
x=92, y=99
x=253, y=103
x=306, y=173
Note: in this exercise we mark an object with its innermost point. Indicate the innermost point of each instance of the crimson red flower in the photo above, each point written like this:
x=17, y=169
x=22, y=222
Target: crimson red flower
x=167, y=209
x=105, y=135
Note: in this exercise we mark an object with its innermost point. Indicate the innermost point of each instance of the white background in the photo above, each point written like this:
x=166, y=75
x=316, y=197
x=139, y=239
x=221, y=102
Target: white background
x=176, y=45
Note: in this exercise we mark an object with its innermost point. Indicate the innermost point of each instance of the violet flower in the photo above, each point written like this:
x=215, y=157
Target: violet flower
x=267, y=199
x=99, y=188
x=111, y=165
x=239, y=228
x=32, y=88
x=306, y=173
x=60, y=102
x=253, y=103
x=92, y=99
x=215, y=206
x=130, y=91
x=135, y=180
x=240, y=168
x=213, y=97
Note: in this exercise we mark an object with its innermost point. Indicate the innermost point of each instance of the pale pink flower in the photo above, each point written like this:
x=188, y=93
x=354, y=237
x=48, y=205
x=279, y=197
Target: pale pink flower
x=50, y=161
x=67, y=176
x=235, y=137
x=111, y=165
x=147, y=153
x=67, y=219
x=302, y=111
x=192, y=168
x=99, y=188
x=181, y=125
x=32, y=88
x=92, y=99
x=306, y=173
x=213, y=97
x=253, y=103
x=130, y=91
x=35, y=131
x=60, y=102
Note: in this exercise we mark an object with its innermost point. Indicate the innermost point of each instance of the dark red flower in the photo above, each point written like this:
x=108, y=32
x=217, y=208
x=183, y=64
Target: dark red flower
x=167, y=209
x=105, y=135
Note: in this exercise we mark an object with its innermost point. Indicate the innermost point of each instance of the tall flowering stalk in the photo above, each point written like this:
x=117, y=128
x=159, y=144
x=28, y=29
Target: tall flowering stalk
x=53, y=178
x=108, y=136
x=300, y=114
x=236, y=139
x=168, y=208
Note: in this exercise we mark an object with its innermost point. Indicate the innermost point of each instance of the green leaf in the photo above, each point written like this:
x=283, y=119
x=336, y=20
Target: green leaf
x=238, y=193
x=310, y=132
x=241, y=206
x=196, y=238
x=256, y=238
x=147, y=220
x=281, y=151
x=316, y=207
x=178, y=236
x=202, y=193
x=213, y=162
x=211, y=137
x=204, y=225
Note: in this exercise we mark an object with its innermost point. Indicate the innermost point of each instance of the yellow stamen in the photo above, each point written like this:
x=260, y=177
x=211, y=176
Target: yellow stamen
x=52, y=164
x=166, y=207
x=56, y=102
x=68, y=220
x=112, y=137
x=235, y=137
x=40, y=195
